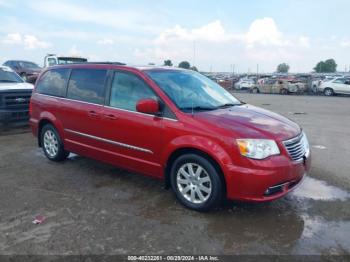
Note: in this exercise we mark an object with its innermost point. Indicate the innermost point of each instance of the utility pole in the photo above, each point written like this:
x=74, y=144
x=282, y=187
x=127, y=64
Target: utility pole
x=257, y=70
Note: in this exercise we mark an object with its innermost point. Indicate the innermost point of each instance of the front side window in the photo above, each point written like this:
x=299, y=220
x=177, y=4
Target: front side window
x=192, y=91
x=87, y=85
x=51, y=61
x=339, y=81
x=28, y=65
x=53, y=82
x=127, y=89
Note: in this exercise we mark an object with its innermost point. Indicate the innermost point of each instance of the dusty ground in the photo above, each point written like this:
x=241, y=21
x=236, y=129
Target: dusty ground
x=92, y=208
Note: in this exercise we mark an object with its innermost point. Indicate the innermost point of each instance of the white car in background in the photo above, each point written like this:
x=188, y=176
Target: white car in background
x=245, y=84
x=340, y=85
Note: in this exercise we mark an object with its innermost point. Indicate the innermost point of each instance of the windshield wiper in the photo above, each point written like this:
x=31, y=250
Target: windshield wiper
x=198, y=108
x=7, y=81
x=226, y=105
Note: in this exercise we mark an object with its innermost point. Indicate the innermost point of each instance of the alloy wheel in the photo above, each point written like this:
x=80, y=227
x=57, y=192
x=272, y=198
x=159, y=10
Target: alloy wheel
x=50, y=143
x=194, y=183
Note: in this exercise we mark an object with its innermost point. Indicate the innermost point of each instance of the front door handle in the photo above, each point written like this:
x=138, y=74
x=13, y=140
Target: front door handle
x=110, y=117
x=93, y=114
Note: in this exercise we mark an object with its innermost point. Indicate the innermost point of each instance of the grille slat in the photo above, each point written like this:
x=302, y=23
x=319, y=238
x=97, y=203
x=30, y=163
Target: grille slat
x=16, y=100
x=296, y=147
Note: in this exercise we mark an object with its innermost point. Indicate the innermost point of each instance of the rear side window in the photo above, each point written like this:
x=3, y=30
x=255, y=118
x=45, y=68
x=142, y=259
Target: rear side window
x=127, y=90
x=53, y=82
x=87, y=85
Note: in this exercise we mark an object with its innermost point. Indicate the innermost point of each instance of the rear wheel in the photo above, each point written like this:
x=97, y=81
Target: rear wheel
x=52, y=144
x=196, y=182
x=328, y=92
x=255, y=90
x=284, y=91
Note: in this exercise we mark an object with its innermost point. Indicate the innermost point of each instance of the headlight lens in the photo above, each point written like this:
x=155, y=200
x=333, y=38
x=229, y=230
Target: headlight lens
x=257, y=148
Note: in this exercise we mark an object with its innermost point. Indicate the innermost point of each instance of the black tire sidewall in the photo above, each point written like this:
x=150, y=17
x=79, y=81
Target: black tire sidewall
x=216, y=183
x=61, y=153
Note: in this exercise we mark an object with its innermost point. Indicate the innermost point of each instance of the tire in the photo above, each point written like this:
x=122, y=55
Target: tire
x=284, y=91
x=328, y=91
x=196, y=195
x=52, y=144
x=255, y=90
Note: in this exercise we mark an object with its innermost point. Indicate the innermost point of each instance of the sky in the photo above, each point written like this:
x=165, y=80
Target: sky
x=240, y=36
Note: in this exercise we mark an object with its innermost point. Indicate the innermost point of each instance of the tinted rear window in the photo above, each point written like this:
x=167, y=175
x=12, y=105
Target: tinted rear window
x=53, y=82
x=87, y=85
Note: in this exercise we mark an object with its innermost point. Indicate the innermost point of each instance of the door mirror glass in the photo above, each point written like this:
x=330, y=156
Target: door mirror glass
x=148, y=106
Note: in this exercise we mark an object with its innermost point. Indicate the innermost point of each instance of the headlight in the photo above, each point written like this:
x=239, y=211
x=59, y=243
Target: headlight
x=305, y=143
x=257, y=148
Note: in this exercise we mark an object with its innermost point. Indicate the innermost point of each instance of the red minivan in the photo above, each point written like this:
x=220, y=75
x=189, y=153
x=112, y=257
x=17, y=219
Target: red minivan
x=172, y=124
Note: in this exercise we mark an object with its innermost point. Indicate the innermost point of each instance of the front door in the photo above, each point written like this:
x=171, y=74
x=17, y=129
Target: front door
x=134, y=139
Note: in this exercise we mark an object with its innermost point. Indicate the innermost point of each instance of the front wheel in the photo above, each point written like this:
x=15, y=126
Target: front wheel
x=328, y=92
x=52, y=144
x=196, y=182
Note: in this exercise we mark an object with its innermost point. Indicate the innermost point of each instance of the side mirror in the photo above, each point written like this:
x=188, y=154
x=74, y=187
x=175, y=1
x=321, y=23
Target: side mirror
x=148, y=106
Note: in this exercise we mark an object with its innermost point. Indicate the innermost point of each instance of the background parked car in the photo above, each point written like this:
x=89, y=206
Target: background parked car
x=14, y=96
x=339, y=85
x=278, y=86
x=245, y=84
x=29, y=71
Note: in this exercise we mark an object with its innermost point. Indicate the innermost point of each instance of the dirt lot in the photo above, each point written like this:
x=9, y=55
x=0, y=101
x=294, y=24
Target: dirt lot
x=93, y=208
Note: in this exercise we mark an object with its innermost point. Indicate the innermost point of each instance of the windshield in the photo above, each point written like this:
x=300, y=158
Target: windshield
x=191, y=90
x=8, y=76
x=29, y=65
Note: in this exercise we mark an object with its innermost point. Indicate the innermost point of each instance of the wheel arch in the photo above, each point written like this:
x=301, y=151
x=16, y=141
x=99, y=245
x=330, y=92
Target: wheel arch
x=48, y=118
x=192, y=150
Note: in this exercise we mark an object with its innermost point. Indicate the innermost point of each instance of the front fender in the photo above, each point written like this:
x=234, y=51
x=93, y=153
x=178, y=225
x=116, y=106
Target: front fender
x=204, y=144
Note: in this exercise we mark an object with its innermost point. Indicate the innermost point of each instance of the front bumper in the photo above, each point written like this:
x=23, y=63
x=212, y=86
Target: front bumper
x=265, y=182
x=13, y=115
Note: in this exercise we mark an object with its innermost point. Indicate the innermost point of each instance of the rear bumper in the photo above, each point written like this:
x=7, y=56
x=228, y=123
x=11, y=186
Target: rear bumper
x=265, y=184
x=14, y=115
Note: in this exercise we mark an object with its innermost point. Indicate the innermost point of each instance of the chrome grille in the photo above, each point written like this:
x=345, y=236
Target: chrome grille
x=297, y=147
x=17, y=100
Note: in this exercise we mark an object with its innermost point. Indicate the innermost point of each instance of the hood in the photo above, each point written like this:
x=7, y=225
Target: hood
x=248, y=121
x=15, y=86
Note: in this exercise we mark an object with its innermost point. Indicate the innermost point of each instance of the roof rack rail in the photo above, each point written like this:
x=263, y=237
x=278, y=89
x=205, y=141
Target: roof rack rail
x=107, y=62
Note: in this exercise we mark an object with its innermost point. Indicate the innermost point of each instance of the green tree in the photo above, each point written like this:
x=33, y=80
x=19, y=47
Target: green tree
x=168, y=62
x=328, y=66
x=194, y=68
x=283, y=68
x=185, y=65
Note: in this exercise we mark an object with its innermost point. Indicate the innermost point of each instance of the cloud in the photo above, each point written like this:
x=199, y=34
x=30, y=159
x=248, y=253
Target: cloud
x=32, y=42
x=212, y=32
x=345, y=43
x=74, y=51
x=27, y=41
x=263, y=32
x=105, y=41
x=11, y=39
x=116, y=18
